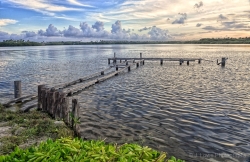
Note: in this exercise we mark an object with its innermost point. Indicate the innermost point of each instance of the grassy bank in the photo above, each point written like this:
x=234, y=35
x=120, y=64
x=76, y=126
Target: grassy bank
x=26, y=129
x=40, y=138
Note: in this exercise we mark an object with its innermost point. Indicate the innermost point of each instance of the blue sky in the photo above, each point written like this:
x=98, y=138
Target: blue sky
x=52, y=20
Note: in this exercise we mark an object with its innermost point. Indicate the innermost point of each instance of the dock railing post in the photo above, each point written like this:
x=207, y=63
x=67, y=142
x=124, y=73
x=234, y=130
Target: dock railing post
x=39, y=105
x=114, y=61
x=17, y=89
x=223, y=61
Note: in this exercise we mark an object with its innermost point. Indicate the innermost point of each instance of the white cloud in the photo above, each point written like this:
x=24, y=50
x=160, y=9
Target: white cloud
x=4, y=22
x=74, y=2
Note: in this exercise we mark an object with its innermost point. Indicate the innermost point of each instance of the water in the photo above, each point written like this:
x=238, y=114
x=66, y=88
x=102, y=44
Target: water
x=199, y=112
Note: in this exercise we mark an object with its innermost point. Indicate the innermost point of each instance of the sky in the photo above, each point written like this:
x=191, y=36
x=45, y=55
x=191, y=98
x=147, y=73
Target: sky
x=137, y=20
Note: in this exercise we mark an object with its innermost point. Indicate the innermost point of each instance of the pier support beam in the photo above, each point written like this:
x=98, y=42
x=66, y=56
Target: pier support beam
x=17, y=89
x=187, y=62
x=39, y=105
x=161, y=61
x=223, y=61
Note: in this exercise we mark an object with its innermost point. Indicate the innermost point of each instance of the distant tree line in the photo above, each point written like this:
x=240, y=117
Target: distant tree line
x=245, y=40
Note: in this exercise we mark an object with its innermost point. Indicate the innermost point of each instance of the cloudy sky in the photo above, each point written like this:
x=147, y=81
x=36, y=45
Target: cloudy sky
x=53, y=20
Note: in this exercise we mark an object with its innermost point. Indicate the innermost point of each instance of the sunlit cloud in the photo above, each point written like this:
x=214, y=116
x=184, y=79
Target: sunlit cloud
x=4, y=22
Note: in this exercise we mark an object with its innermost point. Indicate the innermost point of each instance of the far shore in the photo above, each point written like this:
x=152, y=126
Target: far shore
x=11, y=43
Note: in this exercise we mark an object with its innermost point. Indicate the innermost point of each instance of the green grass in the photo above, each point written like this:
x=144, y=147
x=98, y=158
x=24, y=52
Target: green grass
x=29, y=126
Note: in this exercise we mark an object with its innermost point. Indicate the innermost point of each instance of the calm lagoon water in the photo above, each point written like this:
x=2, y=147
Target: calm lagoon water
x=199, y=112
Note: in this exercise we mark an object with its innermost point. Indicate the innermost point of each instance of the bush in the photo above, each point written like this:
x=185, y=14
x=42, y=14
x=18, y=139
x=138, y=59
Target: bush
x=77, y=150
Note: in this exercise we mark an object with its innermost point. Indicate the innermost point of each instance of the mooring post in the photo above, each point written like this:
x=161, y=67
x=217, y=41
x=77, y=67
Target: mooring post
x=129, y=68
x=114, y=61
x=161, y=61
x=223, y=61
x=187, y=62
x=102, y=73
x=39, y=105
x=17, y=89
x=199, y=61
x=140, y=55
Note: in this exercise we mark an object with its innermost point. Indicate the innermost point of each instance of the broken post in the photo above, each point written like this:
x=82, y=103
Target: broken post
x=17, y=89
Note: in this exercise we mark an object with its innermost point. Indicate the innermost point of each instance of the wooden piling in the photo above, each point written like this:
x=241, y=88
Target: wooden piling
x=180, y=62
x=128, y=68
x=17, y=89
x=102, y=73
x=143, y=62
x=39, y=105
x=108, y=61
x=52, y=102
x=187, y=62
x=76, y=119
x=65, y=108
x=137, y=64
x=44, y=100
x=126, y=62
x=199, y=61
x=161, y=61
x=116, y=67
x=140, y=55
x=223, y=61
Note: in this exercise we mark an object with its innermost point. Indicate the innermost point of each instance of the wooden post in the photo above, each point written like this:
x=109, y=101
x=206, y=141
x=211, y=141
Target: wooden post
x=120, y=61
x=137, y=64
x=39, y=105
x=48, y=107
x=116, y=67
x=44, y=100
x=217, y=61
x=114, y=61
x=65, y=109
x=126, y=62
x=128, y=68
x=102, y=73
x=52, y=102
x=199, y=61
x=108, y=61
x=140, y=55
x=75, y=112
x=57, y=105
x=17, y=89
x=143, y=62
x=187, y=62
x=180, y=62
x=161, y=61
x=223, y=61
